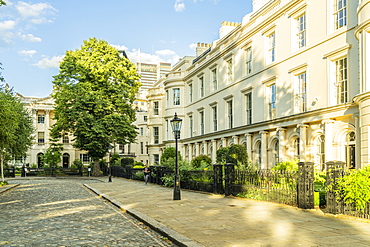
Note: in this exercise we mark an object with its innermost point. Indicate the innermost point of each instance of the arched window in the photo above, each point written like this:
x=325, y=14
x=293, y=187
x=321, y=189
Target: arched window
x=296, y=150
x=320, y=147
x=40, y=162
x=351, y=150
x=275, y=153
x=259, y=154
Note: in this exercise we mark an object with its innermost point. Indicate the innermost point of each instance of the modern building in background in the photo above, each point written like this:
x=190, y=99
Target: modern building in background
x=290, y=81
x=151, y=72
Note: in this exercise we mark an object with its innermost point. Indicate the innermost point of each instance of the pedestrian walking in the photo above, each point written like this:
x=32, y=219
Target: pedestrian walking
x=146, y=173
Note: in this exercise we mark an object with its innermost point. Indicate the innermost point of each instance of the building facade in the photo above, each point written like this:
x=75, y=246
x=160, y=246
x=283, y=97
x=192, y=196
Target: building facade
x=290, y=81
x=42, y=113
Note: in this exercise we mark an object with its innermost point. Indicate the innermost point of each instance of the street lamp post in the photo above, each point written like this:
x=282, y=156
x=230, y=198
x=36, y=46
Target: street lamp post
x=109, y=164
x=176, y=126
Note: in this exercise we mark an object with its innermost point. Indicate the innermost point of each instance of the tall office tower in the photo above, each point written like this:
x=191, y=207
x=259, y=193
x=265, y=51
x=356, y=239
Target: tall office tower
x=150, y=73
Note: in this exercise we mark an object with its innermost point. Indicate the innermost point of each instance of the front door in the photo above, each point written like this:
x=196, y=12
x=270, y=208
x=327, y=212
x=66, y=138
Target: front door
x=65, y=160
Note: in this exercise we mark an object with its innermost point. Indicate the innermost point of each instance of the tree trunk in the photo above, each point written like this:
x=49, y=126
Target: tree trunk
x=2, y=167
x=96, y=171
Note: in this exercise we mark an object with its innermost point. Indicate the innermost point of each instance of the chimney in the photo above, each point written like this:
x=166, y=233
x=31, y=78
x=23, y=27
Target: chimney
x=201, y=47
x=227, y=27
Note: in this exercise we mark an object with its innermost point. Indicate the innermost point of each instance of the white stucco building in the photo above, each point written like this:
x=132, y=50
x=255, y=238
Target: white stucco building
x=291, y=80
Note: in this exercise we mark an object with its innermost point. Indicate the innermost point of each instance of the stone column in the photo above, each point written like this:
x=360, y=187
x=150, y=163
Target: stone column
x=224, y=143
x=328, y=131
x=302, y=141
x=197, y=147
x=249, y=144
x=263, y=149
x=282, y=142
x=190, y=152
x=214, y=149
x=236, y=139
x=205, y=146
x=46, y=127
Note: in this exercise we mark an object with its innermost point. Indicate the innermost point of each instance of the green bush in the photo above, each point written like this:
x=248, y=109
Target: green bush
x=127, y=162
x=221, y=154
x=354, y=188
x=202, y=161
x=3, y=183
x=139, y=175
x=170, y=153
x=288, y=165
x=235, y=154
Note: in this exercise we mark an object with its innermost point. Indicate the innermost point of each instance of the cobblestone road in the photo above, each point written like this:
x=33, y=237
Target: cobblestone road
x=61, y=212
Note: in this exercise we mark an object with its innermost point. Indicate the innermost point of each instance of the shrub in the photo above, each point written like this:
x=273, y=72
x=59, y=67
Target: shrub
x=202, y=161
x=127, y=161
x=170, y=153
x=354, y=188
x=221, y=155
x=3, y=183
x=237, y=154
x=288, y=165
x=77, y=163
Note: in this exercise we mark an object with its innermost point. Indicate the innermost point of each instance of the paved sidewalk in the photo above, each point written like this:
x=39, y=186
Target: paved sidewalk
x=202, y=219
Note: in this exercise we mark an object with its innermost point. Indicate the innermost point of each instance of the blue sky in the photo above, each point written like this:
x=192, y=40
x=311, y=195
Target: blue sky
x=34, y=35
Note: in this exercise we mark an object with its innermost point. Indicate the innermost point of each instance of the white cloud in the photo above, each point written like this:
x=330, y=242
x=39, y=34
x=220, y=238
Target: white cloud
x=30, y=38
x=135, y=56
x=120, y=47
x=166, y=52
x=179, y=5
x=34, y=10
x=47, y=62
x=26, y=53
x=7, y=25
x=193, y=46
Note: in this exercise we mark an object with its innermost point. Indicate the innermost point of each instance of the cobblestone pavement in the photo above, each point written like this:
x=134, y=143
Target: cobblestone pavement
x=61, y=212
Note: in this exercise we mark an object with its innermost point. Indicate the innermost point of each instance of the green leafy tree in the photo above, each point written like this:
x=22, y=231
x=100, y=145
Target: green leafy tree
x=1, y=76
x=2, y=2
x=221, y=155
x=94, y=92
x=53, y=155
x=201, y=161
x=354, y=188
x=168, y=153
x=237, y=154
x=15, y=127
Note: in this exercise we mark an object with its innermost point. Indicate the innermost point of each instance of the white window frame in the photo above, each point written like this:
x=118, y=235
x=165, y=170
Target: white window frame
x=248, y=60
x=176, y=97
x=248, y=107
x=341, y=80
x=300, y=92
x=201, y=86
x=156, y=108
x=201, y=122
x=156, y=135
x=214, y=79
x=333, y=57
x=301, y=30
x=270, y=47
x=340, y=13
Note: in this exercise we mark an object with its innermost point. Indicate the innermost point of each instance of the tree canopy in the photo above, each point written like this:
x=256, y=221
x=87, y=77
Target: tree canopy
x=2, y=2
x=16, y=127
x=94, y=92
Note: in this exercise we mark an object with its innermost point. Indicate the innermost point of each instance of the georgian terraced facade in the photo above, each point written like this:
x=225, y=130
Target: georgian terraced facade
x=290, y=81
